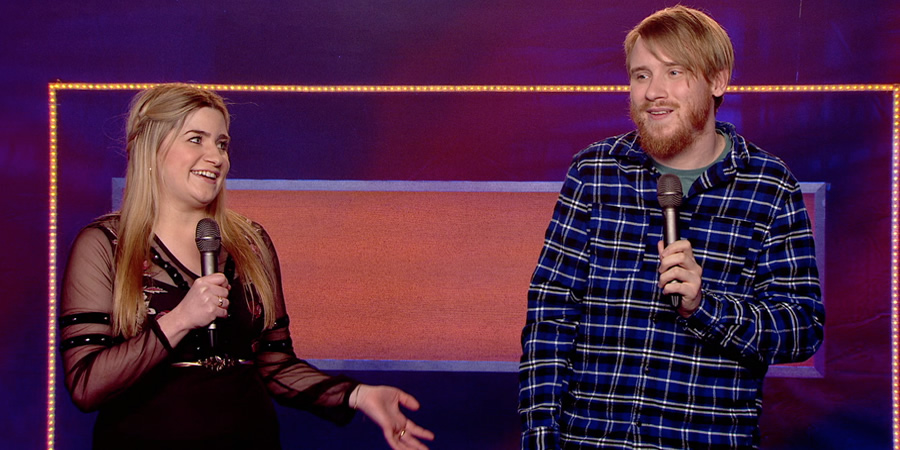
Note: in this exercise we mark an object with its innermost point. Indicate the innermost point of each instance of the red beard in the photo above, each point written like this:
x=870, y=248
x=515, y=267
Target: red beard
x=664, y=146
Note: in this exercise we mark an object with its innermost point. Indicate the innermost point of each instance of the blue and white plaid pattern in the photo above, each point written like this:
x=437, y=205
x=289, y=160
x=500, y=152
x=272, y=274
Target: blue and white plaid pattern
x=607, y=363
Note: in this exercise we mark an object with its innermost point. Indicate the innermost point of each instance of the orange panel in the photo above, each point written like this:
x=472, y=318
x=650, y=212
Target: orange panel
x=437, y=276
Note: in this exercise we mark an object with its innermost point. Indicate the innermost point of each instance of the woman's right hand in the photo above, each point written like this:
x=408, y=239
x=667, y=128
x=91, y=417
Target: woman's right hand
x=206, y=301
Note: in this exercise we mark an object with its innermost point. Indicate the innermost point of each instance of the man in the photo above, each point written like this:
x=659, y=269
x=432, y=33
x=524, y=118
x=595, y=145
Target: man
x=607, y=360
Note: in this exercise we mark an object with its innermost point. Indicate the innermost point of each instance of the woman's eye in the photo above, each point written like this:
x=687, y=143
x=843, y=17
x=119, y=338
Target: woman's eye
x=223, y=145
x=195, y=139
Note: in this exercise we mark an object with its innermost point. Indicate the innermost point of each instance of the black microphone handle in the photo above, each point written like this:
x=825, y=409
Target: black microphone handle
x=208, y=267
x=670, y=235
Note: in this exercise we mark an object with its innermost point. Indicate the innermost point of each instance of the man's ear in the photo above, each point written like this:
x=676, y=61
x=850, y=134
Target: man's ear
x=719, y=83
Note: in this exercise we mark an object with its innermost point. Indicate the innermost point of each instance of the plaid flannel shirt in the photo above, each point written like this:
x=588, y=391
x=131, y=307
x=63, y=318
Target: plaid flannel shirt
x=607, y=362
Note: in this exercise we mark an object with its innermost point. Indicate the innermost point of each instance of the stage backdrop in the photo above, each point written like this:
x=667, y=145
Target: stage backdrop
x=839, y=138
x=426, y=276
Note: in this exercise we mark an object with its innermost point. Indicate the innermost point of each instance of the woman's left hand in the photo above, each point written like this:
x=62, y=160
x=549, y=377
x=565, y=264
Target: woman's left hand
x=382, y=405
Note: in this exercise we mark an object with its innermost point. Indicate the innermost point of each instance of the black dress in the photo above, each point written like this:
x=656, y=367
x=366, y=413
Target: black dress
x=151, y=395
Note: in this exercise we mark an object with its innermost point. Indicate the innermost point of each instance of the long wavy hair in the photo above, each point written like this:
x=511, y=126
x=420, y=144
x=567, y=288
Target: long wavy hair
x=153, y=115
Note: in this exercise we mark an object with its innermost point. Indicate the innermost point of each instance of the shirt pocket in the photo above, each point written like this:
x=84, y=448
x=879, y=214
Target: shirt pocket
x=617, y=237
x=727, y=248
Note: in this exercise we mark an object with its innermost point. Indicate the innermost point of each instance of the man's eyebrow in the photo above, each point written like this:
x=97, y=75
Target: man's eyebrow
x=667, y=64
x=670, y=64
x=637, y=69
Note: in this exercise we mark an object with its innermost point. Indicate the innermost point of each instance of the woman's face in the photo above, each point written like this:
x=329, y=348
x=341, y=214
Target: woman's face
x=194, y=161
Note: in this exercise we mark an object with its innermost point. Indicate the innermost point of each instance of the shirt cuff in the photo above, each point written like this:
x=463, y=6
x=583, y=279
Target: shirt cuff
x=160, y=335
x=540, y=438
x=703, y=321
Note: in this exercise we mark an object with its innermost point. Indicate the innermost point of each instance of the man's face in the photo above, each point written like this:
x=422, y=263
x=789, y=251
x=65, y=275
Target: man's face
x=670, y=105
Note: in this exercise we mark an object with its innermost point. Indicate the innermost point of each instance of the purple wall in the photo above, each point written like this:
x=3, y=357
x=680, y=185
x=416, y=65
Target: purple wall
x=840, y=138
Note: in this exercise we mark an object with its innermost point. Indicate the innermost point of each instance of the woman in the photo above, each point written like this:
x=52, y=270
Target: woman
x=134, y=313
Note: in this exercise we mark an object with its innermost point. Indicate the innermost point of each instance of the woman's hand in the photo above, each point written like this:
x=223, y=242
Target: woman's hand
x=206, y=301
x=382, y=405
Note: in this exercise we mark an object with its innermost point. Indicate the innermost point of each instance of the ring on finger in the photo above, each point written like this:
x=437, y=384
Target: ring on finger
x=221, y=302
x=402, y=432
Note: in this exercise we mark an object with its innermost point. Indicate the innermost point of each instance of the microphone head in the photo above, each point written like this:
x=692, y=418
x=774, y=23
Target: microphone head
x=208, y=237
x=668, y=191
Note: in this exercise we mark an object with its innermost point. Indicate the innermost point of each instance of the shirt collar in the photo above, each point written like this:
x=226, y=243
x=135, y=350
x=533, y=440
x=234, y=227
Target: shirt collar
x=627, y=147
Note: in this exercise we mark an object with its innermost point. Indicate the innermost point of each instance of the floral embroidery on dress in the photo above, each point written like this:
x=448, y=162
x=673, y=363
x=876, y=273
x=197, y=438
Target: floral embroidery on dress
x=256, y=309
x=150, y=288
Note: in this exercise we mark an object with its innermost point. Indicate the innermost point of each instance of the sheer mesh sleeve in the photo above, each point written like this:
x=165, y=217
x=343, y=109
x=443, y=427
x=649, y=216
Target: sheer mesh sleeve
x=98, y=366
x=294, y=382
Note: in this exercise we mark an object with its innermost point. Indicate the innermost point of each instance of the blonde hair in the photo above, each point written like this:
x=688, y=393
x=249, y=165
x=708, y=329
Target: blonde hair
x=690, y=37
x=153, y=115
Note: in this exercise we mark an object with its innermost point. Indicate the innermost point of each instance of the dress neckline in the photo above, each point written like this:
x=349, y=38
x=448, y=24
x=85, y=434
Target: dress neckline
x=173, y=273
x=173, y=268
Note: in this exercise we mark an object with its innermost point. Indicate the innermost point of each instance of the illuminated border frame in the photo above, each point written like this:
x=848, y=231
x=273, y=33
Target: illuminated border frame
x=313, y=89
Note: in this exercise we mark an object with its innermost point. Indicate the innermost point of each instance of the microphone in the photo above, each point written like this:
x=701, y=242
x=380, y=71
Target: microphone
x=208, y=242
x=668, y=193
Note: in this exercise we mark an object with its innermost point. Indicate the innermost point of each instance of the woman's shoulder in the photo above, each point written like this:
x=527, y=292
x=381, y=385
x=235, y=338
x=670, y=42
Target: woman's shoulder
x=98, y=237
x=107, y=224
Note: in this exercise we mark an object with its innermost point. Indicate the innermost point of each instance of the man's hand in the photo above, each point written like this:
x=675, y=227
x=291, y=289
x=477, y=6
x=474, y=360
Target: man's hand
x=677, y=263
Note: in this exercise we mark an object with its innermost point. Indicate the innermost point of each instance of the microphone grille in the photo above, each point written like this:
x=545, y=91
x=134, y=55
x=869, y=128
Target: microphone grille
x=208, y=237
x=668, y=191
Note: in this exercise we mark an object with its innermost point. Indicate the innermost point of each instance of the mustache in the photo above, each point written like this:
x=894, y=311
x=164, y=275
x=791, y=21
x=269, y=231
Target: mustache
x=658, y=104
